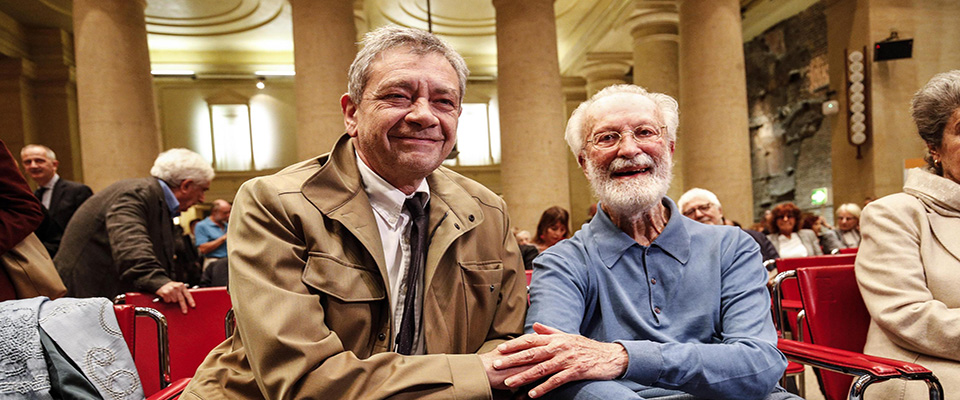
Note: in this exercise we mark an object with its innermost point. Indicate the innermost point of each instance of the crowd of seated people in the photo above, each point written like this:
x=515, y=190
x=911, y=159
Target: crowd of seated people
x=361, y=296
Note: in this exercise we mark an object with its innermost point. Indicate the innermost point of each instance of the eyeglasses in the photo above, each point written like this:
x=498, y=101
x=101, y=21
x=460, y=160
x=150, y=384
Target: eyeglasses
x=641, y=134
x=703, y=208
x=786, y=216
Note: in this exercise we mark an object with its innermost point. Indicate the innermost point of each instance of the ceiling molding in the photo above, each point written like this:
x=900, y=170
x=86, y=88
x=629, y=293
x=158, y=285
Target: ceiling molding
x=209, y=17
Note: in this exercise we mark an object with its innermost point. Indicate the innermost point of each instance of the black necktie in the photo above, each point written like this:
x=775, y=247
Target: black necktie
x=418, y=252
x=39, y=193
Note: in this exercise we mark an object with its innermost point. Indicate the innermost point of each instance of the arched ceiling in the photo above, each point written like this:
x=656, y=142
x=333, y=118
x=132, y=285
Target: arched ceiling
x=241, y=36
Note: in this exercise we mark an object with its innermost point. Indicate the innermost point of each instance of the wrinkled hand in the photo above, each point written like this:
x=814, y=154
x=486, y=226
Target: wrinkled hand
x=176, y=292
x=561, y=356
x=497, y=376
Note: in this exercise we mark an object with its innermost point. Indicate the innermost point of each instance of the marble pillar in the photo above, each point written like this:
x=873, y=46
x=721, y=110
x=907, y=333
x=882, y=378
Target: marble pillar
x=605, y=69
x=534, y=154
x=119, y=135
x=324, y=37
x=654, y=26
x=713, y=105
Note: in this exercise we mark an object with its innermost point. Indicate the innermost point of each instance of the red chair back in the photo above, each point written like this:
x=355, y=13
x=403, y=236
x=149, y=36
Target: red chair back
x=192, y=336
x=851, y=250
x=790, y=295
x=529, y=276
x=836, y=317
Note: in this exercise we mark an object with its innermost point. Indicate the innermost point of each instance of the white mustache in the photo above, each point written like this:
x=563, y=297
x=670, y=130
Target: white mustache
x=641, y=160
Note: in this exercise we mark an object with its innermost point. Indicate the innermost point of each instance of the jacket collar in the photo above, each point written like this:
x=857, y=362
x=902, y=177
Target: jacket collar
x=941, y=198
x=337, y=192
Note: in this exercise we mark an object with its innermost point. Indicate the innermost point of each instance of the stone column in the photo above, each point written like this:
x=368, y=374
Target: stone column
x=656, y=45
x=574, y=93
x=118, y=122
x=55, y=98
x=534, y=163
x=605, y=69
x=713, y=106
x=324, y=38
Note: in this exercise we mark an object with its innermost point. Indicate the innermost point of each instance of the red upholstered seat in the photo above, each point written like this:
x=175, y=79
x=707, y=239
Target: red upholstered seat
x=838, y=322
x=192, y=335
x=787, y=292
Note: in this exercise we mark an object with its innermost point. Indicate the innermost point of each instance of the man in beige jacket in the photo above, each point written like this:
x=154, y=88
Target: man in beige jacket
x=319, y=254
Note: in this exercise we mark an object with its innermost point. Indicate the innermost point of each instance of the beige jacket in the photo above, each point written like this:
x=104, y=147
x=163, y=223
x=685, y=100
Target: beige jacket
x=308, y=284
x=908, y=269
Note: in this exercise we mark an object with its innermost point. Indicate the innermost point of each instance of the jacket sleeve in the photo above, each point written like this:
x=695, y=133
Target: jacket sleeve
x=893, y=281
x=830, y=241
x=291, y=351
x=133, y=249
x=20, y=212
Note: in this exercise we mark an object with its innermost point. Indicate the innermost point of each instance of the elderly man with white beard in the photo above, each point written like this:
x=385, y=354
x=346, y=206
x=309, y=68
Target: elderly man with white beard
x=641, y=303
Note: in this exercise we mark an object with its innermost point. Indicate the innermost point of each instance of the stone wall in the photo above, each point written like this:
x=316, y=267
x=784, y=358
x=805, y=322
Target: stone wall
x=787, y=82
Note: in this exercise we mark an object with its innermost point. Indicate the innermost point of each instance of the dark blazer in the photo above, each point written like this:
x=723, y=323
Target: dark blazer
x=767, y=250
x=66, y=198
x=120, y=240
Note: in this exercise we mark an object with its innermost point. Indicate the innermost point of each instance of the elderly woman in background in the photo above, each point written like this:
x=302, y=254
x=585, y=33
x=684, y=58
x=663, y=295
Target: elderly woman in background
x=848, y=226
x=908, y=266
x=554, y=226
x=786, y=235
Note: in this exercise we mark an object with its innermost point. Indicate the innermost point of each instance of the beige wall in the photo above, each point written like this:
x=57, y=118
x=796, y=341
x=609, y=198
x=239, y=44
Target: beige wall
x=853, y=24
x=185, y=122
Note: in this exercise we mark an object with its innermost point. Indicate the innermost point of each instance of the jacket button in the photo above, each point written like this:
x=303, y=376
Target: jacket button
x=381, y=337
x=653, y=281
x=492, y=288
x=456, y=226
x=656, y=310
x=470, y=218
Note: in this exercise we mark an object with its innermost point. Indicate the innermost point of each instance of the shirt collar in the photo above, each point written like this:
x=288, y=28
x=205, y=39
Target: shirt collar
x=172, y=203
x=612, y=242
x=385, y=199
x=53, y=181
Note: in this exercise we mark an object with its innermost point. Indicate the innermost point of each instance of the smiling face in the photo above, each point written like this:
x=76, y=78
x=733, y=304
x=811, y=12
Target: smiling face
x=38, y=165
x=631, y=177
x=786, y=223
x=406, y=122
x=703, y=211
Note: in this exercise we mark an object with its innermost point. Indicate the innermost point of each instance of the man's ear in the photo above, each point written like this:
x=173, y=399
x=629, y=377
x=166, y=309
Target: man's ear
x=673, y=147
x=55, y=163
x=349, y=114
x=580, y=160
x=185, y=185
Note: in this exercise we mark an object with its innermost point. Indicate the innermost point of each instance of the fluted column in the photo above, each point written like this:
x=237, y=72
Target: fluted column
x=118, y=122
x=656, y=45
x=574, y=93
x=713, y=104
x=324, y=37
x=534, y=163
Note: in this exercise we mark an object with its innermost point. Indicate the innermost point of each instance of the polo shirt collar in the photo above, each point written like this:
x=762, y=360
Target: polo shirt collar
x=612, y=243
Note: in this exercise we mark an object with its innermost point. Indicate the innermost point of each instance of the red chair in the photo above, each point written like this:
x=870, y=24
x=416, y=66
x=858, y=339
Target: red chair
x=851, y=250
x=192, y=335
x=838, y=322
x=786, y=296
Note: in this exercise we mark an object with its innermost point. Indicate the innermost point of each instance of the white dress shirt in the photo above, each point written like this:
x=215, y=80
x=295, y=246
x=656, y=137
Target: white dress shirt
x=393, y=222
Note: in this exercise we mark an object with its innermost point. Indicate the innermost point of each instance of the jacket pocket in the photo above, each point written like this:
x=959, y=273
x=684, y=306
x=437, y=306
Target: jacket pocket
x=481, y=286
x=344, y=281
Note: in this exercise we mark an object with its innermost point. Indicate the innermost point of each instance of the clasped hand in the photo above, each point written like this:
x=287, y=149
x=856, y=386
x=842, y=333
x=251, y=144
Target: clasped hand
x=558, y=356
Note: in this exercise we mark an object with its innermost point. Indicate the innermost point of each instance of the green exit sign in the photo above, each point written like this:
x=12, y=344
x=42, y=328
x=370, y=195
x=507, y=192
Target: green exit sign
x=818, y=196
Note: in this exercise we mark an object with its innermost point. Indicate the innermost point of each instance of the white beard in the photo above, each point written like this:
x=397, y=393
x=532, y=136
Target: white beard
x=633, y=196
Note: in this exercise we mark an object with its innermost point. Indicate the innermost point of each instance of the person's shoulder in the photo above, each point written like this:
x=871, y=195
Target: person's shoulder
x=446, y=175
x=287, y=179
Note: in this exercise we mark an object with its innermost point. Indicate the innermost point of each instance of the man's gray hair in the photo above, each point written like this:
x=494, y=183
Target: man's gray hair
x=417, y=41
x=666, y=105
x=50, y=154
x=849, y=208
x=177, y=165
x=697, y=193
x=933, y=105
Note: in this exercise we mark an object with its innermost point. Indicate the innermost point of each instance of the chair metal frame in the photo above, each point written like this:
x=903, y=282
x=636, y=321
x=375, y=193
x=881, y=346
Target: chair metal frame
x=867, y=369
